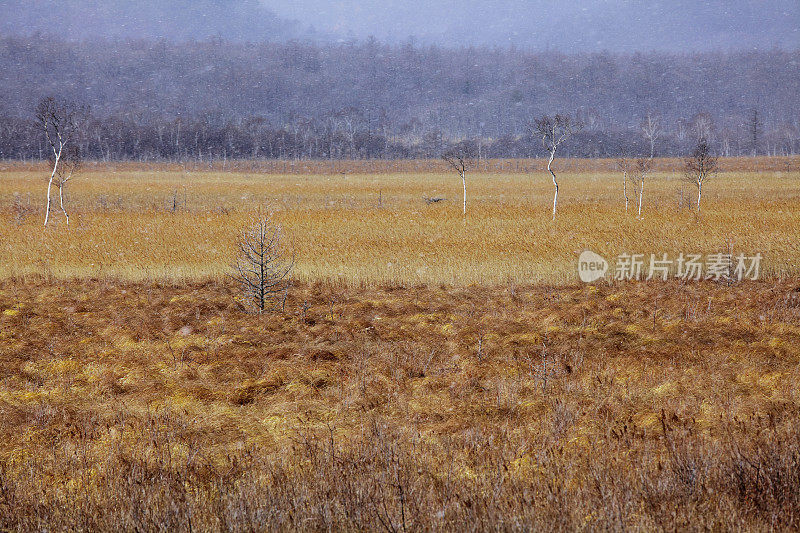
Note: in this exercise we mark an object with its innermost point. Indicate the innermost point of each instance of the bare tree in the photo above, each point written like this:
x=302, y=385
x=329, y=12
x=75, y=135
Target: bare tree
x=703, y=126
x=461, y=157
x=554, y=131
x=61, y=122
x=624, y=166
x=635, y=172
x=701, y=164
x=263, y=264
x=639, y=171
x=754, y=130
x=651, y=129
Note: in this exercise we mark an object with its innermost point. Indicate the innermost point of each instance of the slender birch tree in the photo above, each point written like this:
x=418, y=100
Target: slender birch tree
x=700, y=165
x=61, y=123
x=554, y=132
x=461, y=158
x=639, y=172
x=651, y=129
x=635, y=172
x=624, y=166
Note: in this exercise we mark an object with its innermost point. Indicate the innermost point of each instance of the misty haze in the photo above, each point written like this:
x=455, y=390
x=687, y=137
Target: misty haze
x=310, y=265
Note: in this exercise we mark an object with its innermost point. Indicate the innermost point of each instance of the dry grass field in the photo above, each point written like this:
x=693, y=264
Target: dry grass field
x=166, y=407
x=428, y=372
x=137, y=225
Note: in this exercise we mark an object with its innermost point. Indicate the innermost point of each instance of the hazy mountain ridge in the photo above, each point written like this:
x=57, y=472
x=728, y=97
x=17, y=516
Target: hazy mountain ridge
x=234, y=69
x=418, y=96
x=176, y=20
x=582, y=25
x=588, y=25
x=462, y=91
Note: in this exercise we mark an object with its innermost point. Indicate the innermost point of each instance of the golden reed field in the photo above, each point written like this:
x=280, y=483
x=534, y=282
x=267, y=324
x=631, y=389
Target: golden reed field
x=170, y=223
x=428, y=371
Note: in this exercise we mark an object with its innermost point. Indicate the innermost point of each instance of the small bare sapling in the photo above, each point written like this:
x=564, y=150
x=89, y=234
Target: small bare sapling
x=554, y=131
x=62, y=124
x=264, y=263
x=461, y=157
x=640, y=169
x=700, y=165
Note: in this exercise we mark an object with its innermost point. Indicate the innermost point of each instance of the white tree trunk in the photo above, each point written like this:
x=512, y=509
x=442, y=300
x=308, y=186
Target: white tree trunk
x=641, y=192
x=464, y=183
x=61, y=201
x=555, y=183
x=625, y=192
x=47, y=207
x=699, y=194
x=50, y=187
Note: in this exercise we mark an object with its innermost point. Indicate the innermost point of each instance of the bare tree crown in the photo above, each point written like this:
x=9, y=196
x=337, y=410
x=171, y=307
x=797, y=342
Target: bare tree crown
x=61, y=122
x=554, y=130
x=461, y=156
x=701, y=163
x=651, y=129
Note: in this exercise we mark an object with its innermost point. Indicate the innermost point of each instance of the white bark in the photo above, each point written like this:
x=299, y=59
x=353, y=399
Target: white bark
x=61, y=201
x=554, y=132
x=699, y=193
x=459, y=163
x=50, y=185
x=625, y=188
x=641, y=192
x=464, y=183
x=47, y=208
x=555, y=183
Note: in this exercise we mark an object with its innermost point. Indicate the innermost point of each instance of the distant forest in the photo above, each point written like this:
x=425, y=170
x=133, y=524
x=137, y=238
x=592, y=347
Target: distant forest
x=159, y=100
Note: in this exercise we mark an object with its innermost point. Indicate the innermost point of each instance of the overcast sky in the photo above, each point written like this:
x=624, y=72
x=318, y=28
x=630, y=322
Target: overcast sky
x=565, y=25
x=571, y=25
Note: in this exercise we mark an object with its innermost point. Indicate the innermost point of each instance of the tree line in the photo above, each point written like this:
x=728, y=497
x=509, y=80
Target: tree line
x=121, y=138
x=154, y=100
x=64, y=124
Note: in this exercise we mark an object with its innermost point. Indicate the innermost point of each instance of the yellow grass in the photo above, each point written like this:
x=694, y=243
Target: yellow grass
x=377, y=228
x=455, y=372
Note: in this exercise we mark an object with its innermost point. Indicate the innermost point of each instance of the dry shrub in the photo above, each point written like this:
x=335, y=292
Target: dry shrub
x=390, y=478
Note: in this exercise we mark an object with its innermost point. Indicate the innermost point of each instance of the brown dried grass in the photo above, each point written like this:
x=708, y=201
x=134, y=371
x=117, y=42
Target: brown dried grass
x=158, y=406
